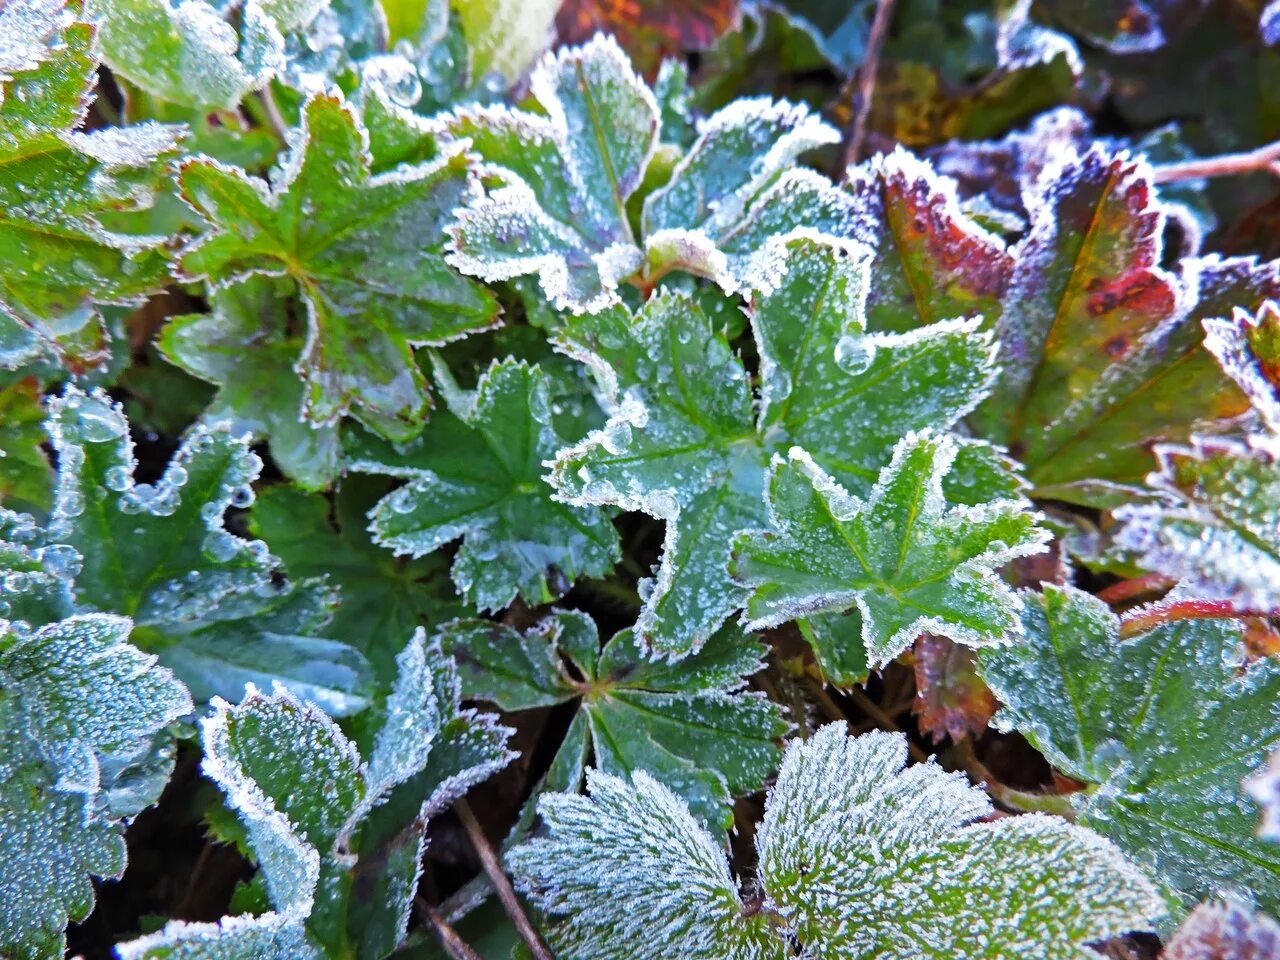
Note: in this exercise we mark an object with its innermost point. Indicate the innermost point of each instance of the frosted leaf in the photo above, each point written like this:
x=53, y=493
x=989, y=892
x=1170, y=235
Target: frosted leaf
x=244, y=346
x=64, y=184
x=272, y=936
x=951, y=699
x=1021, y=43
x=1119, y=26
x=557, y=205
x=404, y=741
x=504, y=37
x=366, y=251
x=1161, y=728
x=863, y=858
x=933, y=262
x=1218, y=530
x=74, y=697
x=1269, y=23
x=1264, y=786
x=1224, y=930
x=687, y=442
x=1248, y=347
x=629, y=874
x=689, y=725
x=26, y=477
x=858, y=858
x=476, y=472
x=906, y=560
x=213, y=604
x=1100, y=345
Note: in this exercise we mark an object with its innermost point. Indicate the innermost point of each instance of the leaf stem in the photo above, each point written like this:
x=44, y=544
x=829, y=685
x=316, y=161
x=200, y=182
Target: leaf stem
x=1153, y=615
x=866, y=86
x=273, y=115
x=1228, y=164
x=501, y=885
x=1128, y=589
x=453, y=944
x=1024, y=801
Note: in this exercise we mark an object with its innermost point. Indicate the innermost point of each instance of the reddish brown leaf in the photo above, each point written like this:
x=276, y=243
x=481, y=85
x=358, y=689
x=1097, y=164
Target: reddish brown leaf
x=951, y=700
x=648, y=29
x=1224, y=931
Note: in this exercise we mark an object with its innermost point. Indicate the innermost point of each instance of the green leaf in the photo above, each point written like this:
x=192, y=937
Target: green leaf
x=26, y=478
x=66, y=194
x=1248, y=347
x=858, y=858
x=557, y=204
x=305, y=797
x=213, y=606
x=691, y=726
x=383, y=598
x=245, y=347
x=907, y=561
x=365, y=252
x=476, y=472
x=1162, y=728
x=687, y=441
x=1218, y=527
x=77, y=704
x=505, y=36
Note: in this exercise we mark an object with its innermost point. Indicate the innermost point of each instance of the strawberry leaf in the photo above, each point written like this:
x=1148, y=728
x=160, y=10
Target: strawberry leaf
x=365, y=252
x=1162, y=728
x=1248, y=348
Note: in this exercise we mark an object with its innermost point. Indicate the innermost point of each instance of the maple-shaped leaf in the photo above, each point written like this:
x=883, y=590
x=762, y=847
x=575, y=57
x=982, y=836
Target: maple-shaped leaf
x=366, y=253
x=26, y=478
x=188, y=53
x=66, y=195
x=648, y=30
x=212, y=605
x=305, y=796
x=933, y=261
x=1100, y=345
x=951, y=699
x=383, y=597
x=1218, y=527
x=689, y=725
x=245, y=346
x=858, y=858
x=79, y=707
x=557, y=205
x=1248, y=347
x=909, y=562
x=476, y=472
x=1161, y=728
x=687, y=442
x=1224, y=930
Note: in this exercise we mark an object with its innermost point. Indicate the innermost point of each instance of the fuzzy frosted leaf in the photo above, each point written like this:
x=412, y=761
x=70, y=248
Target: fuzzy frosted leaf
x=1162, y=727
x=631, y=875
x=57, y=186
x=366, y=252
x=244, y=346
x=1224, y=931
x=932, y=262
x=687, y=443
x=863, y=858
x=906, y=560
x=1219, y=528
x=1100, y=345
x=1248, y=347
x=73, y=695
x=476, y=472
x=208, y=602
x=558, y=207
x=689, y=725
x=272, y=936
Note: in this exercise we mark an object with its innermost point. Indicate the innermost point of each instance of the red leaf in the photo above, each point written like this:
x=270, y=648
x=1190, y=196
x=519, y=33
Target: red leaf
x=1224, y=931
x=951, y=699
x=648, y=29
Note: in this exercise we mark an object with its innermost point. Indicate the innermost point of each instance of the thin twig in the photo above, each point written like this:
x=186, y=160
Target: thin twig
x=871, y=709
x=501, y=885
x=1229, y=164
x=866, y=87
x=274, y=117
x=453, y=944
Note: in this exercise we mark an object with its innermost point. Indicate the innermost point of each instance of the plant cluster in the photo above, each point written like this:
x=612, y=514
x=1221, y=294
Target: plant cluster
x=398, y=404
